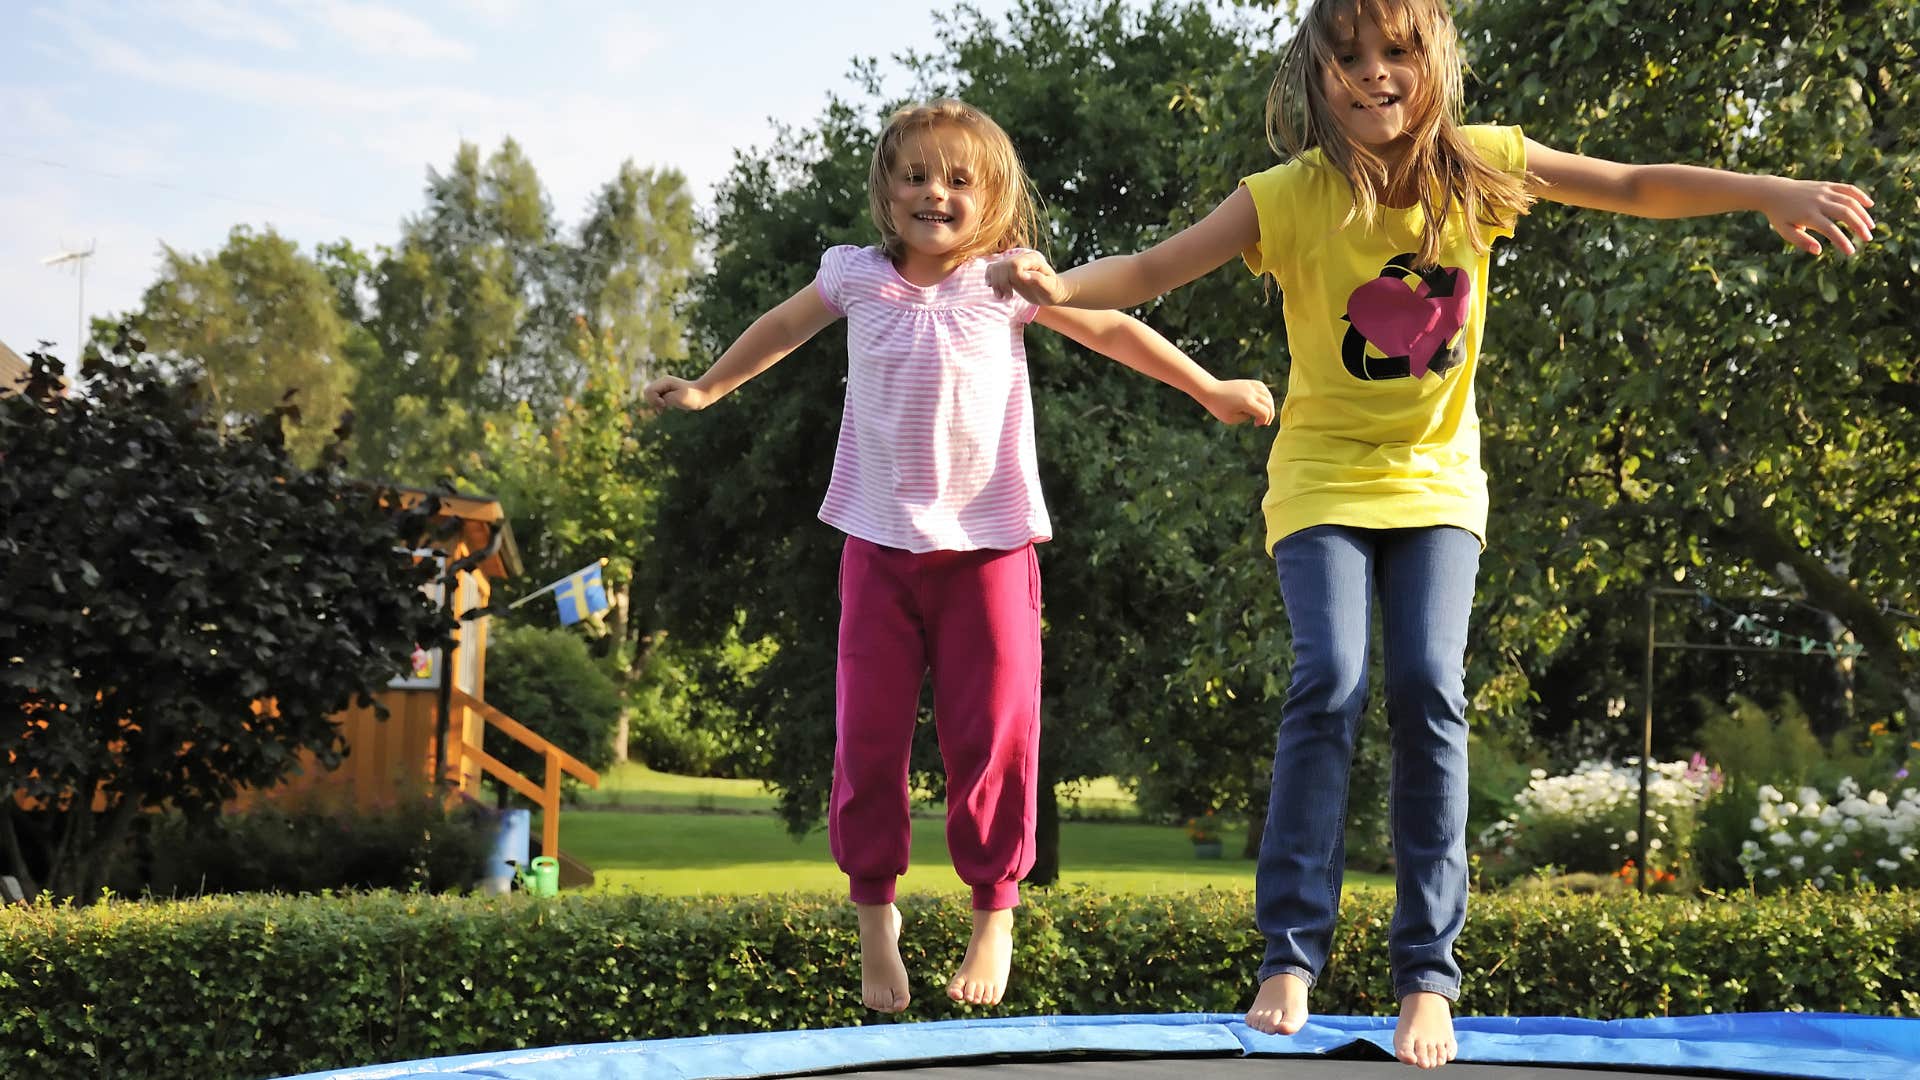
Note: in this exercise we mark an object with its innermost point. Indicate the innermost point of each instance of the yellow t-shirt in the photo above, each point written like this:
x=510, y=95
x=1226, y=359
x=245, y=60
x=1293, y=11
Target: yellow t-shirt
x=1378, y=427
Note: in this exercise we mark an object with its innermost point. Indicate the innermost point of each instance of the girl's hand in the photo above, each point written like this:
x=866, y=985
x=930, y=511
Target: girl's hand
x=1798, y=208
x=1238, y=400
x=1028, y=274
x=669, y=391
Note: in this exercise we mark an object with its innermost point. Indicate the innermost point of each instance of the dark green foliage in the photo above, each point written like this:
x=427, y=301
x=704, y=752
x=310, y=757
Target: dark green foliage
x=415, y=845
x=225, y=988
x=158, y=579
x=1691, y=400
x=1494, y=777
x=1750, y=745
x=1726, y=822
x=547, y=680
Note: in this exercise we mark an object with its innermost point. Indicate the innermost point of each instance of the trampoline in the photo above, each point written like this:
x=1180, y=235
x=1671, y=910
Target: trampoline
x=1221, y=1047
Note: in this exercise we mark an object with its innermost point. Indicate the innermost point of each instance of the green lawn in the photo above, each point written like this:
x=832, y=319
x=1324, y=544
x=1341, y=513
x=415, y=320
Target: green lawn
x=631, y=784
x=685, y=848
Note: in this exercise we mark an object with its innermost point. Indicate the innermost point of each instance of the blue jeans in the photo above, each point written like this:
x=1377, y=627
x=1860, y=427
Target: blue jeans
x=1330, y=576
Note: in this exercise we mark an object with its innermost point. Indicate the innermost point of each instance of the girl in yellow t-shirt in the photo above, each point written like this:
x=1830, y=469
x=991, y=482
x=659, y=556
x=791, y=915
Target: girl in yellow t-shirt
x=1378, y=231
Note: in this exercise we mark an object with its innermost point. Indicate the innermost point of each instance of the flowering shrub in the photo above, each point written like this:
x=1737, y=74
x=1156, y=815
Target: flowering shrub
x=1852, y=839
x=1585, y=821
x=1204, y=829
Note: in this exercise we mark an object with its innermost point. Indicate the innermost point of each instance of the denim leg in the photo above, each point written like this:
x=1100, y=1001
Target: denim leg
x=1425, y=580
x=1325, y=578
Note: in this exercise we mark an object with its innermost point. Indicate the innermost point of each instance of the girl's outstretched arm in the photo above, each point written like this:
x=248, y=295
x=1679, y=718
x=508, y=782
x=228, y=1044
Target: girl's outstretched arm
x=1122, y=281
x=1140, y=347
x=1795, y=208
x=771, y=337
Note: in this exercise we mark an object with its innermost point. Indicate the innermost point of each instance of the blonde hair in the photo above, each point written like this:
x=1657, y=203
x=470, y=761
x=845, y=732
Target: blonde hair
x=1442, y=164
x=1009, y=214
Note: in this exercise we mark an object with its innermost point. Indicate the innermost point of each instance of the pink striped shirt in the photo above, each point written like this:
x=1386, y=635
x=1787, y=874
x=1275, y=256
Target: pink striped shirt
x=936, y=441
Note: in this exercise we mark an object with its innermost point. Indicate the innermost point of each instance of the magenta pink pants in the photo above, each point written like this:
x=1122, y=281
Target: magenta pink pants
x=973, y=619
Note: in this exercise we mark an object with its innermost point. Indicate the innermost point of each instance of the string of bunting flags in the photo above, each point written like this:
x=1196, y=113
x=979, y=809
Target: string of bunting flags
x=1775, y=638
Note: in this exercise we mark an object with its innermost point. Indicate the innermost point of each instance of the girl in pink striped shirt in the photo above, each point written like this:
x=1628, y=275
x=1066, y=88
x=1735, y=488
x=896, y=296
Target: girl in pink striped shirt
x=936, y=488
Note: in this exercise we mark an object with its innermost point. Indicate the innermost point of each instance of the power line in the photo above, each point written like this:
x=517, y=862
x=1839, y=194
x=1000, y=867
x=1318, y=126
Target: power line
x=197, y=193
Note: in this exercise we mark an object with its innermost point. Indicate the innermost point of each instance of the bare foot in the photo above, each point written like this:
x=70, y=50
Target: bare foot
x=982, y=977
x=1280, y=1008
x=1424, y=1035
x=883, y=976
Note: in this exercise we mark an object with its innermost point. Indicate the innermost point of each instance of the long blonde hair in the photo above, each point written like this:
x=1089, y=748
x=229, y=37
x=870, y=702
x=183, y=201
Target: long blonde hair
x=1442, y=165
x=1009, y=213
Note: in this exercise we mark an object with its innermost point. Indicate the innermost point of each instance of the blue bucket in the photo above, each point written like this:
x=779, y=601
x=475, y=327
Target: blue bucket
x=512, y=843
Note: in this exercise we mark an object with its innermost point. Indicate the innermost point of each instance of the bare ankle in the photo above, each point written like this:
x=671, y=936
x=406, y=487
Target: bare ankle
x=984, y=971
x=1280, y=1006
x=883, y=975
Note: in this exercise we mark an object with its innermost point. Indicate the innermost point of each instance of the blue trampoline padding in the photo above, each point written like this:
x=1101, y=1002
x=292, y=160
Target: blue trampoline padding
x=1844, y=1047
x=784, y=1053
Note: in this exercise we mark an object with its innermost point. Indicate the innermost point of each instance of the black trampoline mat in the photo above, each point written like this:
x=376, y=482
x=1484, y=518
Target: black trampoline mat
x=1242, y=1068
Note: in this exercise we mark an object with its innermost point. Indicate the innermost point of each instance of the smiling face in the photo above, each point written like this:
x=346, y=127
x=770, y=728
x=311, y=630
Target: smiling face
x=1372, y=84
x=931, y=194
x=945, y=186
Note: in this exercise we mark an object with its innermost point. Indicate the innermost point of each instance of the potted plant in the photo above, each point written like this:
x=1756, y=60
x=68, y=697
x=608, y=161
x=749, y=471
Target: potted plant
x=1204, y=831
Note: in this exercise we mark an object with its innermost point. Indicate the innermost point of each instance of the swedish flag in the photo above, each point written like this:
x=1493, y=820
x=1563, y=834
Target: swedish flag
x=580, y=594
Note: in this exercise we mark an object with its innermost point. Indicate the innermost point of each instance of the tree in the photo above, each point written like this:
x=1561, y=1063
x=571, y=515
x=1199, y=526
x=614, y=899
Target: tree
x=548, y=681
x=576, y=482
x=1691, y=401
x=257, y=319
x=183, y=609
x=579, y=489
x=629, y=268
x=466, y=318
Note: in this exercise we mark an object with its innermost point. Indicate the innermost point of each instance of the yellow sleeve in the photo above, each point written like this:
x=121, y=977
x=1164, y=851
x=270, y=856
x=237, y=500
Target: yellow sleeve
x=1504, y=148
x=1271, y=201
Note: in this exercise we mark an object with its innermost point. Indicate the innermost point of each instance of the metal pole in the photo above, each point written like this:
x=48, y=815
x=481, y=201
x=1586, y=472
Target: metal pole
x=80, y=320
x=1646, y=760
x=79, y=259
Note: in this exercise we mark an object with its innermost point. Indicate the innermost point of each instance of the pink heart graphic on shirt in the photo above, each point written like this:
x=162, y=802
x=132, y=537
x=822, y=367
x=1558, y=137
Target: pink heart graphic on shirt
x=1409, y=322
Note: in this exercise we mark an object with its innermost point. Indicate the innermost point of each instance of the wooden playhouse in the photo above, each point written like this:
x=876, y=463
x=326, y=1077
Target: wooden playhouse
x=438, y=716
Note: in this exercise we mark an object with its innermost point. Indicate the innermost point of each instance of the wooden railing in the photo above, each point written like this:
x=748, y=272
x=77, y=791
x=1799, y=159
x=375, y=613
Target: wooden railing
x=547, y=795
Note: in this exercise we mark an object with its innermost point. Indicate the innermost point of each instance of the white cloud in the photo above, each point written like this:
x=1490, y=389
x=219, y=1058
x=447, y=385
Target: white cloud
x=226, y=22
x=379, y=30
x=626, y=42
x=264, y=86
x=576, y=141
x=494, y=11
x=32, y=113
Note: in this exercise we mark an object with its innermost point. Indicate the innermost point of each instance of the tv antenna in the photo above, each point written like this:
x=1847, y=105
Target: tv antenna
x=78, y=259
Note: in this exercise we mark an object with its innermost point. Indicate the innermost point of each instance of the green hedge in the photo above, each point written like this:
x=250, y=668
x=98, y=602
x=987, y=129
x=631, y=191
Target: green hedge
x=248, y=988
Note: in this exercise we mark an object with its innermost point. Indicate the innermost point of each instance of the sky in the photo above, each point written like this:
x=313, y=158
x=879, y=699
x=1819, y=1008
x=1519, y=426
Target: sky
x=129, y=124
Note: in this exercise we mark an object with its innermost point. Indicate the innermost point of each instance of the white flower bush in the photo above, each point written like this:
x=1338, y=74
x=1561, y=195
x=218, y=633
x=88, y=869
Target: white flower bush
x=1834, y=842
x=1586, y=820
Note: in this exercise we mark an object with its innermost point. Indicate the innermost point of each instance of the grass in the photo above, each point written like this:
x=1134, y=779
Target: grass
x=631, y=785
x=684, y=848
